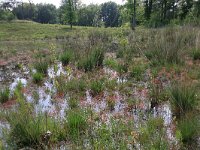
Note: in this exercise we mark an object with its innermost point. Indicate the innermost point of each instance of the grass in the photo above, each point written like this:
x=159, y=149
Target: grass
x=27, y=129
x=189, y=129
x=66, y=57
x=41, y=67
x=164, y=47
x=76, y=123
x=137, y=72
x=183, y=99
x=97, y=86
x=111, y=63
x=37, y=78
x=92, y=60
x=196, y=54
x=4, y=95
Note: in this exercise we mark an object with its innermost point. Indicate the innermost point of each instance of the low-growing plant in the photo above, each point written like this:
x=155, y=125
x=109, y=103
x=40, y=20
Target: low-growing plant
x=41, y=67
x=92, y=60
x=152, y=136
x=28, y=129
x=196, y=54
x=111, y=103
x=76, y=85
x=137, y=72
x=37, y=77
x=112, y=63
x=4, y=95
x=73, y=102
x=86, y=64
x=66, y=57
x=76, y=123
x=189, y=129
x=183, y=99
x=60, y=85
x=97, y=86
x=122, y=68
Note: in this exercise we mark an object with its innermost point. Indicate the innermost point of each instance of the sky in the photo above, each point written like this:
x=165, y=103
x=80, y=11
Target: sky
x=87, y=2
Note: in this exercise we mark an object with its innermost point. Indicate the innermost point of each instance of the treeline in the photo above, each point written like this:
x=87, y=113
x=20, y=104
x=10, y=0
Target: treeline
x=152, y=13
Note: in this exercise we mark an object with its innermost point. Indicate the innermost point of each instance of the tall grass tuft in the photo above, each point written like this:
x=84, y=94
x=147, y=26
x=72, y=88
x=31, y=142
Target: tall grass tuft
x=41, y=67
x=196, y=54
x=66, y=57
x=189, y=129
x=97, y=86
x=37, y=78
x=92, y=60
x=28, y=129
x=76, y=123
x=4, y=95
x=183, y=99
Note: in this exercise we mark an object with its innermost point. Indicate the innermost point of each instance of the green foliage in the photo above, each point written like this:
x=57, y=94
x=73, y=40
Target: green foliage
x=76, y=85
x=4, y=95
x=137, y=72
x=41, y=67
x=189, y=129
x=152, y=136
x=73, y=103
x=66, y=57
x=6, y=15
x=122, y=68
x=97, y=86
x=37, y=77
x=93, y=60
x=76, y=123
x=112, y=63
x=196, y=54
x=183, y=99
x=110, y=14
x=68, y=12
x=27, y=129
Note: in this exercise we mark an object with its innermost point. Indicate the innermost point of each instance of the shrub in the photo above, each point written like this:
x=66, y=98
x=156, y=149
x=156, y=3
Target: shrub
x=97, y=87
x=183, y=98
x=37, y=77
x=41, y=67
x=4, y=95
x=66, y=57
x=76, y=123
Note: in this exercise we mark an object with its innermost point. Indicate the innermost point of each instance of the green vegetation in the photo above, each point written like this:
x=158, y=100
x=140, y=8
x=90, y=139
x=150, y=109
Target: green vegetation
x=76, y=123
x=41, y=67
x=112, y=95
x=137, y=72
x=196, y=54
x=92, y=60
x=28, y=129
x=4, y=95
x=37, y=77
x=66, y=57
x=183, y=99
x=97, y=86
x=189, y=128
